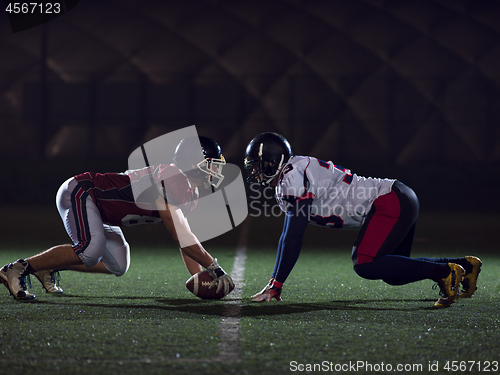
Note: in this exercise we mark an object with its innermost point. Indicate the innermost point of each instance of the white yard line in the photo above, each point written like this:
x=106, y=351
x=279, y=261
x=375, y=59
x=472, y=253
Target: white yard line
x=228, y=346
x=229, y=334
x=230, y=323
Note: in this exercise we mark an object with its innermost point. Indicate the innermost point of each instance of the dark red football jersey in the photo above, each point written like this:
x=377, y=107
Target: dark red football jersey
x=128, y=198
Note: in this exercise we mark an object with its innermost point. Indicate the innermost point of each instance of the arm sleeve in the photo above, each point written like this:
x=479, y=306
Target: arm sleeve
x=290, y=243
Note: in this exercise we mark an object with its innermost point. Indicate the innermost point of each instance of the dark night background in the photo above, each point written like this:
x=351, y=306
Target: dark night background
x=406, y=89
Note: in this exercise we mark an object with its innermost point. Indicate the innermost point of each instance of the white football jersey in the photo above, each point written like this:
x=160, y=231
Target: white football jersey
x=340, y=199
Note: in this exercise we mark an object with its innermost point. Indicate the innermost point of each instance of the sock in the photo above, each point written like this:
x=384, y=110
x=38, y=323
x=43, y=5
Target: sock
x=460, y=261
x=440, y=271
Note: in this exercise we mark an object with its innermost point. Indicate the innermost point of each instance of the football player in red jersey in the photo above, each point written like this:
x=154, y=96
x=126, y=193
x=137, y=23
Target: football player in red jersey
x=93, y=207
x=385, y=211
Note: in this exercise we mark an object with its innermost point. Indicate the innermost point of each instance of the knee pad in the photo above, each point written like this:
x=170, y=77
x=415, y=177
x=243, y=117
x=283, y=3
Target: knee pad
x=118, y=265
x=366, y=271
x=89, y=261
x=94, y=250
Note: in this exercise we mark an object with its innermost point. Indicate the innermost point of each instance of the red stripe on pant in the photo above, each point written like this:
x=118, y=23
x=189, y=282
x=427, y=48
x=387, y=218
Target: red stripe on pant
x=387, y=212
x=80, y=221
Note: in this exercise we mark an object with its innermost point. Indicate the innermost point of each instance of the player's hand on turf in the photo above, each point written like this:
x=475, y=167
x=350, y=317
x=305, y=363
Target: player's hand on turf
x=270, y=291
x=220, y=278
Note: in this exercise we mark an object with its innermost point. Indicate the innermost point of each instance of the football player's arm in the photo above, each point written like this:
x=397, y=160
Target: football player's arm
x=192, y=265
x=191, y=249
x=289, y=246
x=178, y=227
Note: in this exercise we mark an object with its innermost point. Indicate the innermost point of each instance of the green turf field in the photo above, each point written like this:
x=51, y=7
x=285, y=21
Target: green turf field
x=147, y=322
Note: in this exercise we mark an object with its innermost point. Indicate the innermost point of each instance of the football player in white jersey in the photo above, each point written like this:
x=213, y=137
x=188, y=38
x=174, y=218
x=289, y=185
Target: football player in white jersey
x=94, y=207
x=385, y=211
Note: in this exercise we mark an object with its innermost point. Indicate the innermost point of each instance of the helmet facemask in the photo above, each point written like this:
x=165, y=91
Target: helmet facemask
x=263, y=172
x=254, y=171
x=265, y=156
x=213, y=168
x=191, y=150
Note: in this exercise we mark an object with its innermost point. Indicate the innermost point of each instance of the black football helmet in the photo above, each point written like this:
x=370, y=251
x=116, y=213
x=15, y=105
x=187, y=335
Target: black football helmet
x=264, y=157
x=200, y=163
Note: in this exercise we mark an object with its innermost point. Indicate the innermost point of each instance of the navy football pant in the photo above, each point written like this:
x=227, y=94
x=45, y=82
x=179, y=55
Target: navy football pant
x=383, y=247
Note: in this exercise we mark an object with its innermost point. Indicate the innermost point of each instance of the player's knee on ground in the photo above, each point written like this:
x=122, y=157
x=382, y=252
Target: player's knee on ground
x=394, y=282
x=372, y=272
x=118, y=262
x=94, y=250
x=367, y=271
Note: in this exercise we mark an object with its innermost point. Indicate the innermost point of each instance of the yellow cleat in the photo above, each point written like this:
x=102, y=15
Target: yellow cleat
x=469, y=283
x=449, y=285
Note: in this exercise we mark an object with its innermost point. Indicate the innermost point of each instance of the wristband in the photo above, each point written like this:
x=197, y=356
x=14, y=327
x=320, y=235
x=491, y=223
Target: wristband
x=275, y=284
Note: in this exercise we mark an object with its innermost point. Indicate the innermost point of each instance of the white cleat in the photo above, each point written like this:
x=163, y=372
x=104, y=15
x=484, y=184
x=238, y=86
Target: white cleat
x=13, y=276
x=50, y=281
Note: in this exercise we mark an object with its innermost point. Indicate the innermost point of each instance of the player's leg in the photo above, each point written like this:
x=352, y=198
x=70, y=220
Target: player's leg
x=50, y=279
x=383, y=247
x=84, y=225
x=116, y=257
x=400, y=269
x=57, y=257
x=404, y=249
x=13, y=275
x=98, y=268
x=389, y=227
x=471, y=265
x=384, y=244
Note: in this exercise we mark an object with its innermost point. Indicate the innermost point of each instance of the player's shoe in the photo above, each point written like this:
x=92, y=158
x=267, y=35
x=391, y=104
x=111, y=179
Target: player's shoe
x=469, y=283
x=50, y=281
x=449, y=285
x=13, y=276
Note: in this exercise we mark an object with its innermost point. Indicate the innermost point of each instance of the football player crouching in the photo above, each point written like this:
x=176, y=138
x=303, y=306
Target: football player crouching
x=384, y=211
x=94, y=207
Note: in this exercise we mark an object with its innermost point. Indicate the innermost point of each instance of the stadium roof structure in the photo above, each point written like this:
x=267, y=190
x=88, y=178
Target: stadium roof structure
x=395, y=81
